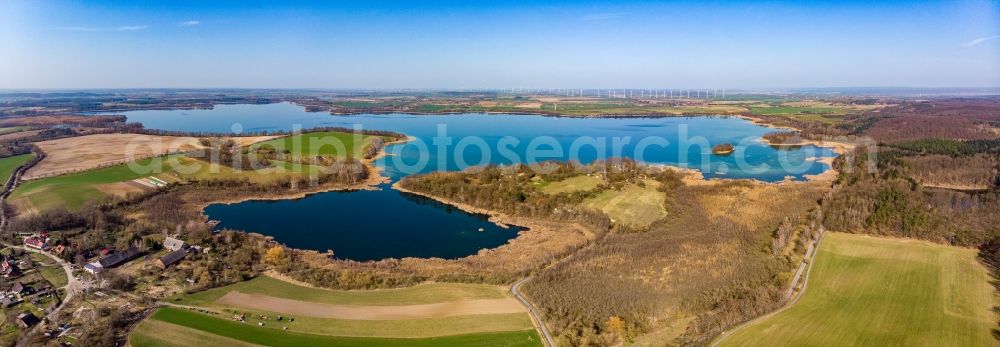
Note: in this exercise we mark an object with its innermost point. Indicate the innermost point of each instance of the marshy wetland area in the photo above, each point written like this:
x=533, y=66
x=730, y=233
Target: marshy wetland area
x=495, y=218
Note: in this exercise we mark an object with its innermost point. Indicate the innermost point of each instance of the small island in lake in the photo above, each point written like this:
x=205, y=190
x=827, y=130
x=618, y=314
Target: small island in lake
x=723, y=149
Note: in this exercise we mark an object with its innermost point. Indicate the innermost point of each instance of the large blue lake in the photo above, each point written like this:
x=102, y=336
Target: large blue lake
x=366, y=225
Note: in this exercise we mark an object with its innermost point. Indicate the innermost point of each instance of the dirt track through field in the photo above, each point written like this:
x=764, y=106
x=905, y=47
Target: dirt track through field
x=358, y=312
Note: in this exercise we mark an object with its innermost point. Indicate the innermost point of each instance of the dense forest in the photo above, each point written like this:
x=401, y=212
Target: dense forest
x=955, y=119
x=890, y=200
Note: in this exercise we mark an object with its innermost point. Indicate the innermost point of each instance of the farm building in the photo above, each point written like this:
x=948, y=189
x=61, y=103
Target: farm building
x=26, y=320
x=113, y=260
x=173, y=244
x=171, y=258
x=93, y=268
x=119, y=258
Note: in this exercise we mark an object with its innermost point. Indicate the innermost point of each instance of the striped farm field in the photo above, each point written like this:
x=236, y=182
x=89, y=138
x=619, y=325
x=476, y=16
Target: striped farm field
x=874, y=291
x=422, y=315
x=181, y=322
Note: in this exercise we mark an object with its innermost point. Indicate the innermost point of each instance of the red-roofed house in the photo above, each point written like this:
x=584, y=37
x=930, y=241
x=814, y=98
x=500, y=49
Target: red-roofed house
x=36, y=243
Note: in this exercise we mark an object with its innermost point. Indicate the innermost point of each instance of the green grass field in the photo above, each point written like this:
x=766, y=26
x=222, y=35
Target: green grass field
x=807, y=113
x=881, y=292
x=633, y=205
x=11, y=130
x=54, y=274
x=337, y=144
x=228, y=329
x=157, y=333
x=572, y=184
x=401, y=328
x=73, y=190
x=8, y=164
x=9, y=331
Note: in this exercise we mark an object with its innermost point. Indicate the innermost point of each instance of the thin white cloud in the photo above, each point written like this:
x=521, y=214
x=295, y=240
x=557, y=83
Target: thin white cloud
x=980, y=40
x=189, y=23
x=121, y=28
x=132, y=27
x=602, y=16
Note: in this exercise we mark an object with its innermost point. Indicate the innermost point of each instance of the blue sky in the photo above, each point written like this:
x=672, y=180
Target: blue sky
x=371, y=44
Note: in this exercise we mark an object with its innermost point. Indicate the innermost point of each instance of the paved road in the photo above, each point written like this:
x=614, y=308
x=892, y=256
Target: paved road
x=531, y=309
x=72, y=285
x=535, y=315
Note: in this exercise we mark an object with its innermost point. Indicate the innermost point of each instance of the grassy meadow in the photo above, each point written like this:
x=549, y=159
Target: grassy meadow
x=634, y=204
x=214, y=317
x=9, y=164
x=879, y=292
x=11, y=130
x=580, y=183
x=330, y=143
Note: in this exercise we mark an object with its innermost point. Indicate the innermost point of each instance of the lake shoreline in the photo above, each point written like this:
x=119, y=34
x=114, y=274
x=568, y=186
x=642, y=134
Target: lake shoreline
x=374, y=179
x=499, y=218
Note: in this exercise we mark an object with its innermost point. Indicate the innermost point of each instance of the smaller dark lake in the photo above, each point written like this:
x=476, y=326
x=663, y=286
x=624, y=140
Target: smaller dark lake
x=367, y=225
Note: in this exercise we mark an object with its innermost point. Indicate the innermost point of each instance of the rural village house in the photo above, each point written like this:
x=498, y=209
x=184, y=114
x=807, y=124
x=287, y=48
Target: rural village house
x=9, y=269
x=36, y=242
